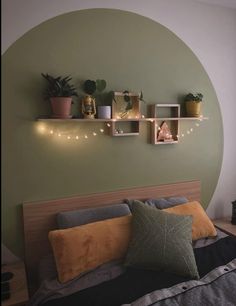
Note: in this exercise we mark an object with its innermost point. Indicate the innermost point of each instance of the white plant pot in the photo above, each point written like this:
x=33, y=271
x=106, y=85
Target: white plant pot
x=104, y=112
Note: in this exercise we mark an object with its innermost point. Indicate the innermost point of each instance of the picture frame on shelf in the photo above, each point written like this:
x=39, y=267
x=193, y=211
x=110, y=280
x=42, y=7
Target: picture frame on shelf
x=126, y=105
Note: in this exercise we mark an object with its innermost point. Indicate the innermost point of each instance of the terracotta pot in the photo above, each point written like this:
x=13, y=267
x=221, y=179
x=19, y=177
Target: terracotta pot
x=193, y=109
x=61, y=107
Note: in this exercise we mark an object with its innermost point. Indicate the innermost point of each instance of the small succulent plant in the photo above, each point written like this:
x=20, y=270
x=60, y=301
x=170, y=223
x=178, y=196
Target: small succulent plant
x=191, y=97
x=59, y=87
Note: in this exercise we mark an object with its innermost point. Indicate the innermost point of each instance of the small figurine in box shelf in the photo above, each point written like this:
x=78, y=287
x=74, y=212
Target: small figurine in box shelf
x=119, y=131
x=164, y=133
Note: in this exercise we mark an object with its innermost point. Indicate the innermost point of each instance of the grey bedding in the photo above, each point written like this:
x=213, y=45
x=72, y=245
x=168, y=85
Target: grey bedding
x=217, y=288
x=51, y=288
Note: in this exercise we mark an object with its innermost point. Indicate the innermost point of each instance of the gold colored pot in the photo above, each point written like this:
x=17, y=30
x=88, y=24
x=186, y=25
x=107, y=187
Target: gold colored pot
x=193, y=109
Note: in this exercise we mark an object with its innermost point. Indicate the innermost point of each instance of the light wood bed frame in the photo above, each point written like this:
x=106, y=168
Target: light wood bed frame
x=40, y=217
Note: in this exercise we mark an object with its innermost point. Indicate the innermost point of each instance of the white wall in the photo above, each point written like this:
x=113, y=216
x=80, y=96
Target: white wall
x=209, y=30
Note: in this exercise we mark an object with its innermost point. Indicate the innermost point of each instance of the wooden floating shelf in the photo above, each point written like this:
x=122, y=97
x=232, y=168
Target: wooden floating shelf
x=125, y=134
x=122, y=120
x=161, y=114
x=72, y=120
x=180, y=118
x=166, y=142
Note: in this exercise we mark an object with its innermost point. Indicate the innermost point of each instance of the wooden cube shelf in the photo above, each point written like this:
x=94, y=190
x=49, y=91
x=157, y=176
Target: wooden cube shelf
x=125, y=128
x=168, y=115
x=126, y=114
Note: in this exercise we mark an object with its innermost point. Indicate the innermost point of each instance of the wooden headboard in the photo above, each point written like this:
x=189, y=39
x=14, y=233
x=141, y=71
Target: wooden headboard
x=40, y=217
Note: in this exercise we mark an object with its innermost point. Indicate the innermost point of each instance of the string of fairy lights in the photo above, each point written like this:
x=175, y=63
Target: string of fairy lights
x=44, y=129
x=54, y=132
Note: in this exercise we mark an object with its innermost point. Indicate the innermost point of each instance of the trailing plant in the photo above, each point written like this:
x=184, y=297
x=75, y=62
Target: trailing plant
x=59, y=87
x=191, y=97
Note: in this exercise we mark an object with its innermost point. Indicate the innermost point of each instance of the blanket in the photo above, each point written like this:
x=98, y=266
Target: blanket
x=127, y=286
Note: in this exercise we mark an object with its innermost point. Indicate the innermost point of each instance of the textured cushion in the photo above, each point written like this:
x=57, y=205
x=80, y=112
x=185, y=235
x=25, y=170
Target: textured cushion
x=161, y=241
x=162, y=203
x=80, y=249
x=83, y=216
x=202, y=226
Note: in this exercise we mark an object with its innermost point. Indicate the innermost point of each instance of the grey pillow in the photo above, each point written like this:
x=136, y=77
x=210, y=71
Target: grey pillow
x=163, y=203
x=161, y=241
x=84, y=216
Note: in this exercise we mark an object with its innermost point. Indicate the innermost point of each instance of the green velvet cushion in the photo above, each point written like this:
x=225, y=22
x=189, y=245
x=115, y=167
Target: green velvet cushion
x=161, y=241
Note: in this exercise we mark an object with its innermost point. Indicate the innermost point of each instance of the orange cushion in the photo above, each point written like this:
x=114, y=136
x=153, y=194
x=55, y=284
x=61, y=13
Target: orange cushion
x=82, y=248
x=202, y=226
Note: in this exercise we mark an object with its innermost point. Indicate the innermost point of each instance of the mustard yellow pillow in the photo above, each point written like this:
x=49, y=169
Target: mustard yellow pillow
x=82, y=248
x=202, y=226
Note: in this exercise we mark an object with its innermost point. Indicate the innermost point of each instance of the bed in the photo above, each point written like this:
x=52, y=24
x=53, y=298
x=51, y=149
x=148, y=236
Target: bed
x=120, y=278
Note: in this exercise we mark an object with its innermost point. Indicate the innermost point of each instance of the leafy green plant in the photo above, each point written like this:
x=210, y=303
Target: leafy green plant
x=90, y=86
x=95, y=88
x=59, y=86
x=191, y=97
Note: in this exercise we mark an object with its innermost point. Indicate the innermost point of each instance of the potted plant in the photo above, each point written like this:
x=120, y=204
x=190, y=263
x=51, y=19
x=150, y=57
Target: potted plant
x=60, y=93
x=193, y=104
x=89, y=102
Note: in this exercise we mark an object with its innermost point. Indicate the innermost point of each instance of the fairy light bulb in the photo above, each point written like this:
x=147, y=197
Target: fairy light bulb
x=101, y=130
x=191, y=129
x=182, y=135
x=188, y=132
x=59, y=135
x=51, y=132
x=143, y=116
x=85, y=136
x=94, y=134
x=41, y=128
x=108, y=124
x=77, y=137
x=68, y=137
x=197, y=124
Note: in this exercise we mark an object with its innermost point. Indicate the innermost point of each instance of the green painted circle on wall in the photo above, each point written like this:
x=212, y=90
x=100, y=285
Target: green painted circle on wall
x=130, y=52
